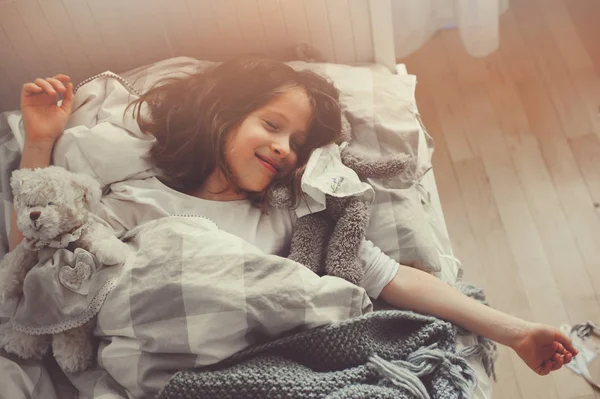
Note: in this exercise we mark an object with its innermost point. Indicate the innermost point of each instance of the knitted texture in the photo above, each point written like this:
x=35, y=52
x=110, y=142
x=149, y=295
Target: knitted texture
x=383, y=354
x=485, y=349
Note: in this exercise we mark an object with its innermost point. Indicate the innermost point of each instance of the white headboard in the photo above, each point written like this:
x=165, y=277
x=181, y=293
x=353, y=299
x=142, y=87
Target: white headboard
x=39, y=38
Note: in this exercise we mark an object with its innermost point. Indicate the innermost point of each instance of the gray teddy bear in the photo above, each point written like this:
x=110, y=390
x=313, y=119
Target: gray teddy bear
x=53, y=208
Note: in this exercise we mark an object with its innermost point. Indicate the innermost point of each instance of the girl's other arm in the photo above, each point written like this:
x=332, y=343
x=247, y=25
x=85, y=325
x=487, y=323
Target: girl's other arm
x=542, y=348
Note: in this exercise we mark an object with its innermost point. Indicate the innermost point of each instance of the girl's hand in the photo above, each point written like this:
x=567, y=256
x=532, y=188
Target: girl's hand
x=43, y=118
x=544, y=348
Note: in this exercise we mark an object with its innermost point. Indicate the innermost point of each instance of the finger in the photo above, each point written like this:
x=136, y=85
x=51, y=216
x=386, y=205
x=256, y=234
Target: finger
x=57, y=84
x=568, y=358
x=63, y=78
x=558, y=364
x=565, y=341
x=559, y=348
x=545, y=368
x=31, y=88
x=46, y=86
x=555, y=358
x=67, y=102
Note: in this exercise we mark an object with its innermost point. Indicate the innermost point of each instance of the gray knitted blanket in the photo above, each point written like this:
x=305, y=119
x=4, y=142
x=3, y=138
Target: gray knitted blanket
x=383, y=354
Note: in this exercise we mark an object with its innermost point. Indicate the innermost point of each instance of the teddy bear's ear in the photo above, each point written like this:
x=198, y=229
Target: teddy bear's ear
x=16, y=180
x=280, y=197
x=385, y=167
x=346, y=132
x=89, y=188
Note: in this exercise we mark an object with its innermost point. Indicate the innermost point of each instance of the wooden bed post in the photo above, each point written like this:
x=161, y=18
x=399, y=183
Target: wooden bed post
x=383, y=33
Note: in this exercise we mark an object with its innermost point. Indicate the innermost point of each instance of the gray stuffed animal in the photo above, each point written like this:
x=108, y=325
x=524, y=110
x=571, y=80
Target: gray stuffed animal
x=53, y=211
x=328, y=242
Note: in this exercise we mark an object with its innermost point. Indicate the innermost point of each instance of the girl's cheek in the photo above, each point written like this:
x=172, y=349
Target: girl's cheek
x=292, y=162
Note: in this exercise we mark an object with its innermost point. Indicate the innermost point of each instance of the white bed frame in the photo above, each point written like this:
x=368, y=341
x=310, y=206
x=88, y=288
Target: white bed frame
x=39, y=38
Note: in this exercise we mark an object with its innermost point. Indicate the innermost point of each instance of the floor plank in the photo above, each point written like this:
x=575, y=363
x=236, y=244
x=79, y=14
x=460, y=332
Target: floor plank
x=542, y=288
x=463, y=239
x=584, y=14
x=500, y=267
x=460, y=145
x=562, y=164
x=572, y=51
x=587, y=152
x=540, y=45
x=544, y=204
x=517, y=138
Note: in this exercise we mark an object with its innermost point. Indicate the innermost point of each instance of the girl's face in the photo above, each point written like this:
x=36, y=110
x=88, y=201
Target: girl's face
x=265, y=145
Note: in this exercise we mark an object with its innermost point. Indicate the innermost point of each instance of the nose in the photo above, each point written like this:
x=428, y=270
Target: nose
x=34, y=215
x=281, y=147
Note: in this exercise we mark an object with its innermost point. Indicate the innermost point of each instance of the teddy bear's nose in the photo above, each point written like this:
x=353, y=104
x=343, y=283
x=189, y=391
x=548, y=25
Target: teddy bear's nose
x=34, y=215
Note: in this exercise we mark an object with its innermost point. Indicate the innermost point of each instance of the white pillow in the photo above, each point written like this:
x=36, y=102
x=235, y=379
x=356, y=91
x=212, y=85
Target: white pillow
x=382, y=111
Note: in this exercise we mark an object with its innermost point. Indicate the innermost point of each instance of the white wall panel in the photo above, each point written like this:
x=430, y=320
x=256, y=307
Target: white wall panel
x=39, y=38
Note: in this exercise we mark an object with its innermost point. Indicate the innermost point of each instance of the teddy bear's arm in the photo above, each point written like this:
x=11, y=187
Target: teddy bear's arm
x=342, y=253
x=309, y=241
x=102, y=243
x=13, y=268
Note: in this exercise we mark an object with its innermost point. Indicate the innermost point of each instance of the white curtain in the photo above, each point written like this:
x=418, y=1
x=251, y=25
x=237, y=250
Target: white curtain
x=415, y=21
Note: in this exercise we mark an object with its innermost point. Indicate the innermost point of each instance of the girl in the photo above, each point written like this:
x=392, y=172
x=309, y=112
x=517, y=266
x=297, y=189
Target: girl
x=225, y=138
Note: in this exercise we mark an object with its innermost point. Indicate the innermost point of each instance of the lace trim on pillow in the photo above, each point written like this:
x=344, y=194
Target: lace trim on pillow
x=88, y=314
x=65, y=239
x=109, y=74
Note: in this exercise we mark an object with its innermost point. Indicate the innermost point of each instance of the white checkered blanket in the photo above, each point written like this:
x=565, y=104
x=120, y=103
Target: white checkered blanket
x=193, y=295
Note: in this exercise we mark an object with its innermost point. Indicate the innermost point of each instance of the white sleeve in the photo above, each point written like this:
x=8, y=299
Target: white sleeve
x=380, y=269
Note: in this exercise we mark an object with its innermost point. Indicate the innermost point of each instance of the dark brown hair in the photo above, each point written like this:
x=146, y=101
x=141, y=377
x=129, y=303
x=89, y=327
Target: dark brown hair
x=191, y=117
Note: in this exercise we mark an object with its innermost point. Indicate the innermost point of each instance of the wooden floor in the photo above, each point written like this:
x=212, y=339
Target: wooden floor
x=517, y=162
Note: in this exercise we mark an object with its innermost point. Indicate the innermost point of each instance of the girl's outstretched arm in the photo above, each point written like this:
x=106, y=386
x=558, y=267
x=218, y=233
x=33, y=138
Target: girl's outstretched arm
x=543, y=348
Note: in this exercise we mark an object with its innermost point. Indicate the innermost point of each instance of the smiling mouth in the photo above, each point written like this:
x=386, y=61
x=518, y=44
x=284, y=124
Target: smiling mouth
x=268, y=165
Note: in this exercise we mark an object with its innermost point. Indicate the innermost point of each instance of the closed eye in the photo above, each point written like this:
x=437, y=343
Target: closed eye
x=272, y=125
